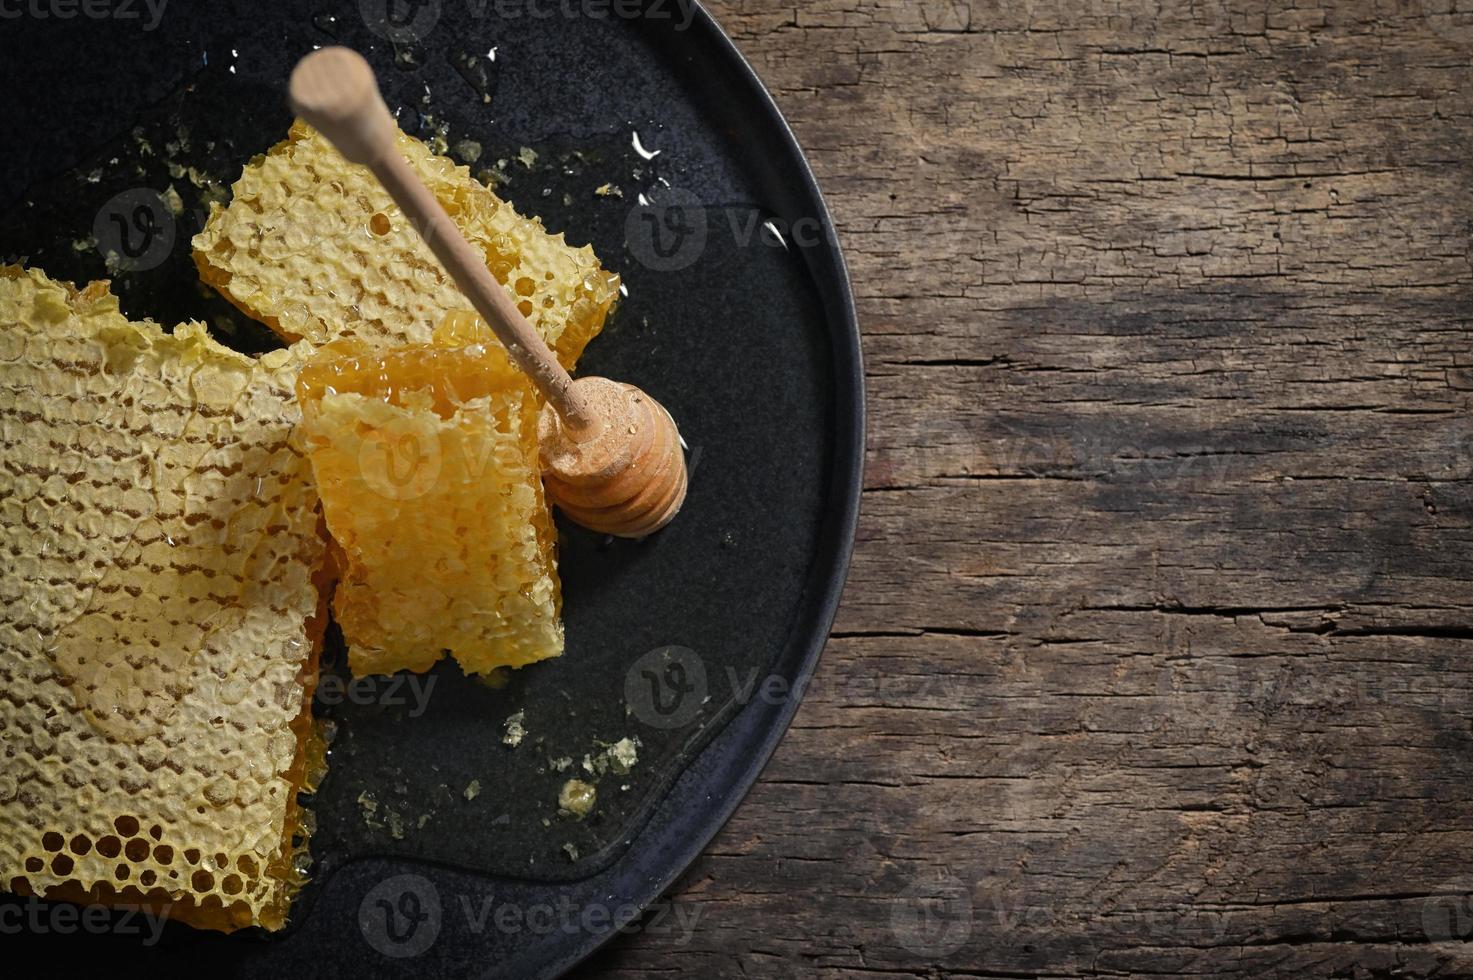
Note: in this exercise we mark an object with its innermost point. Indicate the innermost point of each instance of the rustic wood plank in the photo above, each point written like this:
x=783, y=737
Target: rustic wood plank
x=1153, y=658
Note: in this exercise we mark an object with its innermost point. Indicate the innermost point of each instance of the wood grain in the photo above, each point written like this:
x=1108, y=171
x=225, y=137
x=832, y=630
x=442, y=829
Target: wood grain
x=1154, y=657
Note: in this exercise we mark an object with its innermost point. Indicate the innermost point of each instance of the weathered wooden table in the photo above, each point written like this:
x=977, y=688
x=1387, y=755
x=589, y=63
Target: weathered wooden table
x=1154, y=659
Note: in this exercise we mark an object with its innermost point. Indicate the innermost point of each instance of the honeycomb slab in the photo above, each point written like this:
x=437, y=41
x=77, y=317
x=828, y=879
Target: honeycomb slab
x=313, y=246
x=161, y=613
x=426, y=460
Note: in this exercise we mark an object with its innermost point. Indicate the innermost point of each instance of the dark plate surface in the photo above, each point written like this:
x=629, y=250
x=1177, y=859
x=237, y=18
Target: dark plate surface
x=439, y=848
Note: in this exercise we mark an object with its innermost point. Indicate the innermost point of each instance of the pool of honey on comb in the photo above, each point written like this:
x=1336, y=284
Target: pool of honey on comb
x=470, y=771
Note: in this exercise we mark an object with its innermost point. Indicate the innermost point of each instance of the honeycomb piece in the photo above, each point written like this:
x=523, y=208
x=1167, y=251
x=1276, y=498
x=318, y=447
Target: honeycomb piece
x=426, y=459
x=161, y=614
x=314, y=247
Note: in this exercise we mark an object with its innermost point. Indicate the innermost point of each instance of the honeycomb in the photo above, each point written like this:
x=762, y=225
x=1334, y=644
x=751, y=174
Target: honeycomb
x=312, y=246
x=161, y=614
x=426, y=460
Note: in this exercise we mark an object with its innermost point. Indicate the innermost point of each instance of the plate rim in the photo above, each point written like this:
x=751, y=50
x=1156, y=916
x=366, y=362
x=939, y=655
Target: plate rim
x=837, y=534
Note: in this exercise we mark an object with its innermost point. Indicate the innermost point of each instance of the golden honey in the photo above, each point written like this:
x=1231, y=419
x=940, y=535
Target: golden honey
x=426, y=460
x=315, y=248
x=160, y=623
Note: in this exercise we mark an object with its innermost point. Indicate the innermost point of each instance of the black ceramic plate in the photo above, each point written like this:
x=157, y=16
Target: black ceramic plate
x=637, y=127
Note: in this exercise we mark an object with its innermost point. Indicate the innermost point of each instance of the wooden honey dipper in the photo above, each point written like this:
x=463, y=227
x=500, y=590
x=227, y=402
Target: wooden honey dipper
x=612, y=458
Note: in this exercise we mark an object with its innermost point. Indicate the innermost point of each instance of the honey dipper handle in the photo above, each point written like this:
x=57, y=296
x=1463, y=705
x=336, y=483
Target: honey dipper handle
x=334, y=89
x=467, y=267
